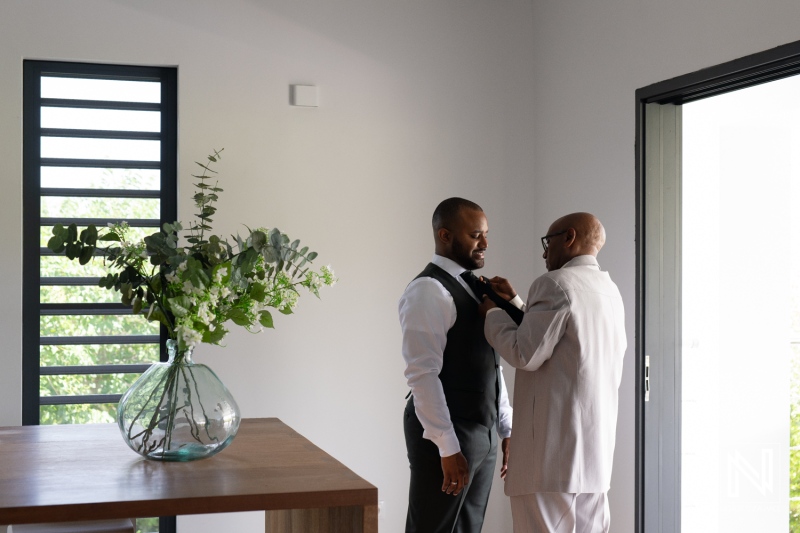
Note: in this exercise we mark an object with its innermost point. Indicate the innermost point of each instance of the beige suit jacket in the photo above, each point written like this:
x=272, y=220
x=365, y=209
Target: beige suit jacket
x=568, y=353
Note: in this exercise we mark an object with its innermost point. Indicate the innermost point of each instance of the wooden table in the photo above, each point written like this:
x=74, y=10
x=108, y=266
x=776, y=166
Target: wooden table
x=86, y=472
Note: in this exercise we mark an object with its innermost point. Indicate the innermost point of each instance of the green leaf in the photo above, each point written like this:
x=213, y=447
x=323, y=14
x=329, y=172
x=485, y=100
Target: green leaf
x=257, y=239
x=110, y=236
x=155, y=315
x=258, y=292
x=265, y=319
x=73, y=250
x=311, y=256
x=86, y=254
x=287, y=311
x=206, y=167
x=275, y=237
x=295, y=244
x=179, y=305
x=137, y=305
x=56, y=244
x=72, y=233
x=239, y=317
x=214, y=337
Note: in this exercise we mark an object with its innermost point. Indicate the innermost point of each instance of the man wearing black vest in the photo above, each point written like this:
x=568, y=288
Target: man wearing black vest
x=458, y=395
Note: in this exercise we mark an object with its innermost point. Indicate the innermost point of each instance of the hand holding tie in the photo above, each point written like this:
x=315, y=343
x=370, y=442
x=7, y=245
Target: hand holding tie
x=481, y=288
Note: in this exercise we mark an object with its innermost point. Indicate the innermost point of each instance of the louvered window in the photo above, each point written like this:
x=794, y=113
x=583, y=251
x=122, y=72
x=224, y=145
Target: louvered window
x=99, y=147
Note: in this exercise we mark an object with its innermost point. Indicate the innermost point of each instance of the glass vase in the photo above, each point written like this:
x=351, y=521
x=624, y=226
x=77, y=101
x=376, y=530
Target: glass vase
x=178, y=411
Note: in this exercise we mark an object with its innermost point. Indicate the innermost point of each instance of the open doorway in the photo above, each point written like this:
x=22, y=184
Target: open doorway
x=718, y=242
x=740, y=321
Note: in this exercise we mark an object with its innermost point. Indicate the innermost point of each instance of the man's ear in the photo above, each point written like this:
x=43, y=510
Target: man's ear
x=444, y=235
x=570, y=237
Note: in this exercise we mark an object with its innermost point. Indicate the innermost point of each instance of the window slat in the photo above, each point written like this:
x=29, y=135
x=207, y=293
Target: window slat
x=101, y=134
x=92, y=369
x=134, y=222
x=63, y=309
x=86, y=399
x=100, y=339
x=98, y=163
x=100, y=104
x=101, y=193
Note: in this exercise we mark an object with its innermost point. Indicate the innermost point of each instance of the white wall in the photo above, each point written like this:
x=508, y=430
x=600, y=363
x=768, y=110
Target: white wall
x=420, y=100
x=589, y=57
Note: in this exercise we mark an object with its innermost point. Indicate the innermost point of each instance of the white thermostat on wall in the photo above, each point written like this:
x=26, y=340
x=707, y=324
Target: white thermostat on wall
x=305, y=96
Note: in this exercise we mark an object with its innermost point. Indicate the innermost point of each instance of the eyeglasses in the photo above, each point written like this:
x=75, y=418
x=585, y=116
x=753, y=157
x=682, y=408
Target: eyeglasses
x=546, y=238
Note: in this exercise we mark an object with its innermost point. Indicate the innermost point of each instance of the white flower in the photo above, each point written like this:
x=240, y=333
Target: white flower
x=221, y=273
x=190, y=337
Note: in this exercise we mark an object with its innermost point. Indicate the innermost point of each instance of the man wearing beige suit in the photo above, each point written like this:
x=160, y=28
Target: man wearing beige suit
x=568, y=353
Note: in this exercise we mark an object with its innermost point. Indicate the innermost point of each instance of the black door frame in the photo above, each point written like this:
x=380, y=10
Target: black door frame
x=763, y=67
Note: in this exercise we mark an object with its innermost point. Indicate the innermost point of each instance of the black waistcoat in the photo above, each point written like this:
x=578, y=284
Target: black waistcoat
x=469, y=375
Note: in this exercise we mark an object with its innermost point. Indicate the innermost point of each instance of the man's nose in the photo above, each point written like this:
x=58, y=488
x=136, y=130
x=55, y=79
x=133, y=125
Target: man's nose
x=483, y=242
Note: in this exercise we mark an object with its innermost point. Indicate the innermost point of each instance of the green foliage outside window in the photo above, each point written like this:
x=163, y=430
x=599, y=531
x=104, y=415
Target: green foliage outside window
x=794, y=442
x=87, y=325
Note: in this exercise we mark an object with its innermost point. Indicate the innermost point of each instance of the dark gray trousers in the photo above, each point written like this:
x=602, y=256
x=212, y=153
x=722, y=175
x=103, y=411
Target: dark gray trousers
x=429, y=509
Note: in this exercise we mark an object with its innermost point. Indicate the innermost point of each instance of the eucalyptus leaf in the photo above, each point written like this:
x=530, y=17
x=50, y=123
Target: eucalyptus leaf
x=56, y=244
x=223, y=278
x=275, y=237
x=73, y=250
x=86, y=255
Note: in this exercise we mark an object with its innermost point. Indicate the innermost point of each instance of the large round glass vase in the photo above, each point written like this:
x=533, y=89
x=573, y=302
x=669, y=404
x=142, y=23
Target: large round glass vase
x=178, y=411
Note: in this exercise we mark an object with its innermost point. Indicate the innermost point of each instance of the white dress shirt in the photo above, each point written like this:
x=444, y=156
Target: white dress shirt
x=427, y=312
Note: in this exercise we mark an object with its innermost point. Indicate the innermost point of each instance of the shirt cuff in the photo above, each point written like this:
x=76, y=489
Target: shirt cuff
x=517, y=302
x=447, y=443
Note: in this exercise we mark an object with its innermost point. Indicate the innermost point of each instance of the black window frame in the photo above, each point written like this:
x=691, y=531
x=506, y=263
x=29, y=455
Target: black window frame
x=32, y=309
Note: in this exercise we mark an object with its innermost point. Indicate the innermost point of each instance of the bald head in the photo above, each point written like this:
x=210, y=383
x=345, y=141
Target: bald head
x=578, y=234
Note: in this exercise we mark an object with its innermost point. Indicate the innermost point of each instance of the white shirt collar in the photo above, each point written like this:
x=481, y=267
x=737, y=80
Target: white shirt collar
x=582, y=260
x=448, y=265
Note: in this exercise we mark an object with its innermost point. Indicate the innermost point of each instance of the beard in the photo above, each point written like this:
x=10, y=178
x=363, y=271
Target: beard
x=464, y=256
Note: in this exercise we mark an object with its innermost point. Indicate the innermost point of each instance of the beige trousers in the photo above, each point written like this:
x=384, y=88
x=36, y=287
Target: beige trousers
x=560, y=512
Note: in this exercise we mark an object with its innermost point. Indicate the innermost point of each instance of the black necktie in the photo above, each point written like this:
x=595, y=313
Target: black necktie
x=480, y=288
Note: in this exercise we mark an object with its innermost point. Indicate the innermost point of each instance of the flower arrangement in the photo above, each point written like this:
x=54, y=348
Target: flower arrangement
x=195, y=289
x=179, y=411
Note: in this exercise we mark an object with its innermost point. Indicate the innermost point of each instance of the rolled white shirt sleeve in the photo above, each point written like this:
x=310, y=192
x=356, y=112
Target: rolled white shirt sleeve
x=427, y=312
x=504, y=410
